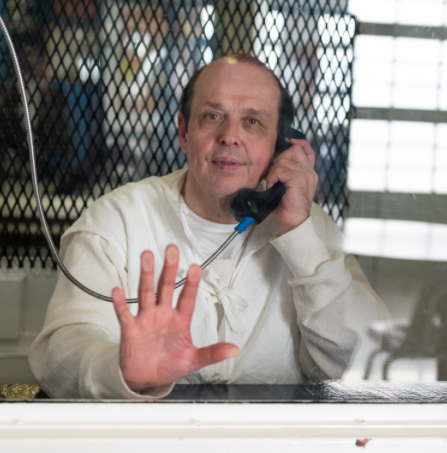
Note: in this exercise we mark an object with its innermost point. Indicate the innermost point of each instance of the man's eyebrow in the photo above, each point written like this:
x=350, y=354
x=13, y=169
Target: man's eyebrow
x=256, y=112
x=214, y=105
x=218, y=105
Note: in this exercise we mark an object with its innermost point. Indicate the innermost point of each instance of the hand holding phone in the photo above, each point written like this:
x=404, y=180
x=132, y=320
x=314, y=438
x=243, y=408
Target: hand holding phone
x=258, y=205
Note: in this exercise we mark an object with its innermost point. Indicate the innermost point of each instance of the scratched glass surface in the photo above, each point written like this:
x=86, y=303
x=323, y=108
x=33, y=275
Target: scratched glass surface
x=369, y=80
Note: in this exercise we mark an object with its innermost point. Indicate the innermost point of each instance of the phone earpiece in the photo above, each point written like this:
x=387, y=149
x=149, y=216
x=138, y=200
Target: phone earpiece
x=258, y=205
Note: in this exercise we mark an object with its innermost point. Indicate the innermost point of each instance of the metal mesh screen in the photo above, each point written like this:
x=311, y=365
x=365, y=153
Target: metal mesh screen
x=104, y=79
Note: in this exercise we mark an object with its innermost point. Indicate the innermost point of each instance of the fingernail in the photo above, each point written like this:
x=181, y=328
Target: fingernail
x=233, y=352
x=146, y=262
x=171, y=255
x=195, y=273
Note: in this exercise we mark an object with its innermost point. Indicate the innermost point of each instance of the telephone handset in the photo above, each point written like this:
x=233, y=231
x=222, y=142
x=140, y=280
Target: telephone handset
x=258, y=205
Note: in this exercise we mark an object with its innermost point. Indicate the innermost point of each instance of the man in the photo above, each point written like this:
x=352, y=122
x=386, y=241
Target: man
x=282, y=303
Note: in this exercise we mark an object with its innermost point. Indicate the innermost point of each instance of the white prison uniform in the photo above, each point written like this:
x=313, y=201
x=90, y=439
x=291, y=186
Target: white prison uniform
x=208, y=236
x=294, y=305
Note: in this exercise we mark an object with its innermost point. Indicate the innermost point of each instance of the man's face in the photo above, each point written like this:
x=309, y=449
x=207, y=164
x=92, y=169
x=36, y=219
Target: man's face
x=232, y=128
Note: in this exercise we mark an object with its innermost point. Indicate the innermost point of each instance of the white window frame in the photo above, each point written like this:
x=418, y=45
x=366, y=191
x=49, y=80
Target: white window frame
x=176, y=427
x=115, y=427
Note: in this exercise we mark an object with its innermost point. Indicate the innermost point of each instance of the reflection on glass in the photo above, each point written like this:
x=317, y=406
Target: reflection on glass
x=397, y=178
x=387, y=74
x=400, y=12
x=398, y=156
x=401, y=239
x=104, y=84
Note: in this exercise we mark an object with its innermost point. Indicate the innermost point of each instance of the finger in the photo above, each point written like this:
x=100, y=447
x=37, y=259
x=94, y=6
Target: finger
x=165, y=289
x=215, y=353
x=291, y=164
x=310, y=153
x=278, y=173
x=125, y=317
x=304, y=146
x=146, y=297
x=301, y=152
x=291, y=177
x=187, y=298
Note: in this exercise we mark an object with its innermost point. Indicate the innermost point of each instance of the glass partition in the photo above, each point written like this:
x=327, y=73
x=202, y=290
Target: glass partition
x=369, y=83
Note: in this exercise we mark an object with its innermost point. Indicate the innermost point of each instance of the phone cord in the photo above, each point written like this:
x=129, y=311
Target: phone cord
x=46, y=231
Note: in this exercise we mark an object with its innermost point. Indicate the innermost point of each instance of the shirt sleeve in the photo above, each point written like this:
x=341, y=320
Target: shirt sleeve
x=77, y=353
x=334, y=302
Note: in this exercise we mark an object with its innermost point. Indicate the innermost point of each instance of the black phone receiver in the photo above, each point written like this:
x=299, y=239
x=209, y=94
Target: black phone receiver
x=258, y=205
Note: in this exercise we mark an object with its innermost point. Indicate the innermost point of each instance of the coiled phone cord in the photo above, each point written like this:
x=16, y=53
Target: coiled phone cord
x=29, y=136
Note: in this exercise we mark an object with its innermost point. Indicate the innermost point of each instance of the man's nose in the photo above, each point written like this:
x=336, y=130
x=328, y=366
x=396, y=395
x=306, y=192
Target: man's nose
x=229, y=134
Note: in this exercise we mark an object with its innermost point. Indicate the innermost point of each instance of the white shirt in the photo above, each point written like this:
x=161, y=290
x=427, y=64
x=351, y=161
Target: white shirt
x=295, y=305
x=208, y=236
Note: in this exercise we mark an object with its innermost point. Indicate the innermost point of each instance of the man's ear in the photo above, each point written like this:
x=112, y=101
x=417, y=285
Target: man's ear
x=182, y=131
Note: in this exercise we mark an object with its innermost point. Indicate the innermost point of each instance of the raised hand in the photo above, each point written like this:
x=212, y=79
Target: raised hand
x=156, y=346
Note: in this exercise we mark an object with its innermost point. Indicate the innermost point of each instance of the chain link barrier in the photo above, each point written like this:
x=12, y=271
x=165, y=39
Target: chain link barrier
x=104, y=78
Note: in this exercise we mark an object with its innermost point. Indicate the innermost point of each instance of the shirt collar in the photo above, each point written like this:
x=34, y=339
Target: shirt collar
x=173, y=184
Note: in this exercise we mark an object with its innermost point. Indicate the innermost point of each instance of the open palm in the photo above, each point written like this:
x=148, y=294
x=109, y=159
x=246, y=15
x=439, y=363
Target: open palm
x=156, y=346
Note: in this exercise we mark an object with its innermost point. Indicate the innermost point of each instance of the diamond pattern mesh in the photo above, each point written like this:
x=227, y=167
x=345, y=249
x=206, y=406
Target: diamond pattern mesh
x=104, y=79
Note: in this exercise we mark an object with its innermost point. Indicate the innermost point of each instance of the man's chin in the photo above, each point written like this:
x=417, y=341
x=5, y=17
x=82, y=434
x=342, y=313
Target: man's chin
x=229, y=186
x=230, y=190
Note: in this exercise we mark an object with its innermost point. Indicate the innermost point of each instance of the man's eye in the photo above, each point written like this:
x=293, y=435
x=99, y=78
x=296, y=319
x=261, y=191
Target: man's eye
x=253, y=121
x=212, y=116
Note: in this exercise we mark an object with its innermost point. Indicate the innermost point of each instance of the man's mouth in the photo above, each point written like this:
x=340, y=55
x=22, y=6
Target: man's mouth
x=227, y=164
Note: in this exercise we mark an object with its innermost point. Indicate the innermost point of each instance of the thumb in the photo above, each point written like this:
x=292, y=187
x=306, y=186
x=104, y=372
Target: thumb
x=215, y=353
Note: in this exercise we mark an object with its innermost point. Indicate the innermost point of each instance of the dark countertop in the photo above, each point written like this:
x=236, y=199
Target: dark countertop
x=327, y=392
x=323, y=392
